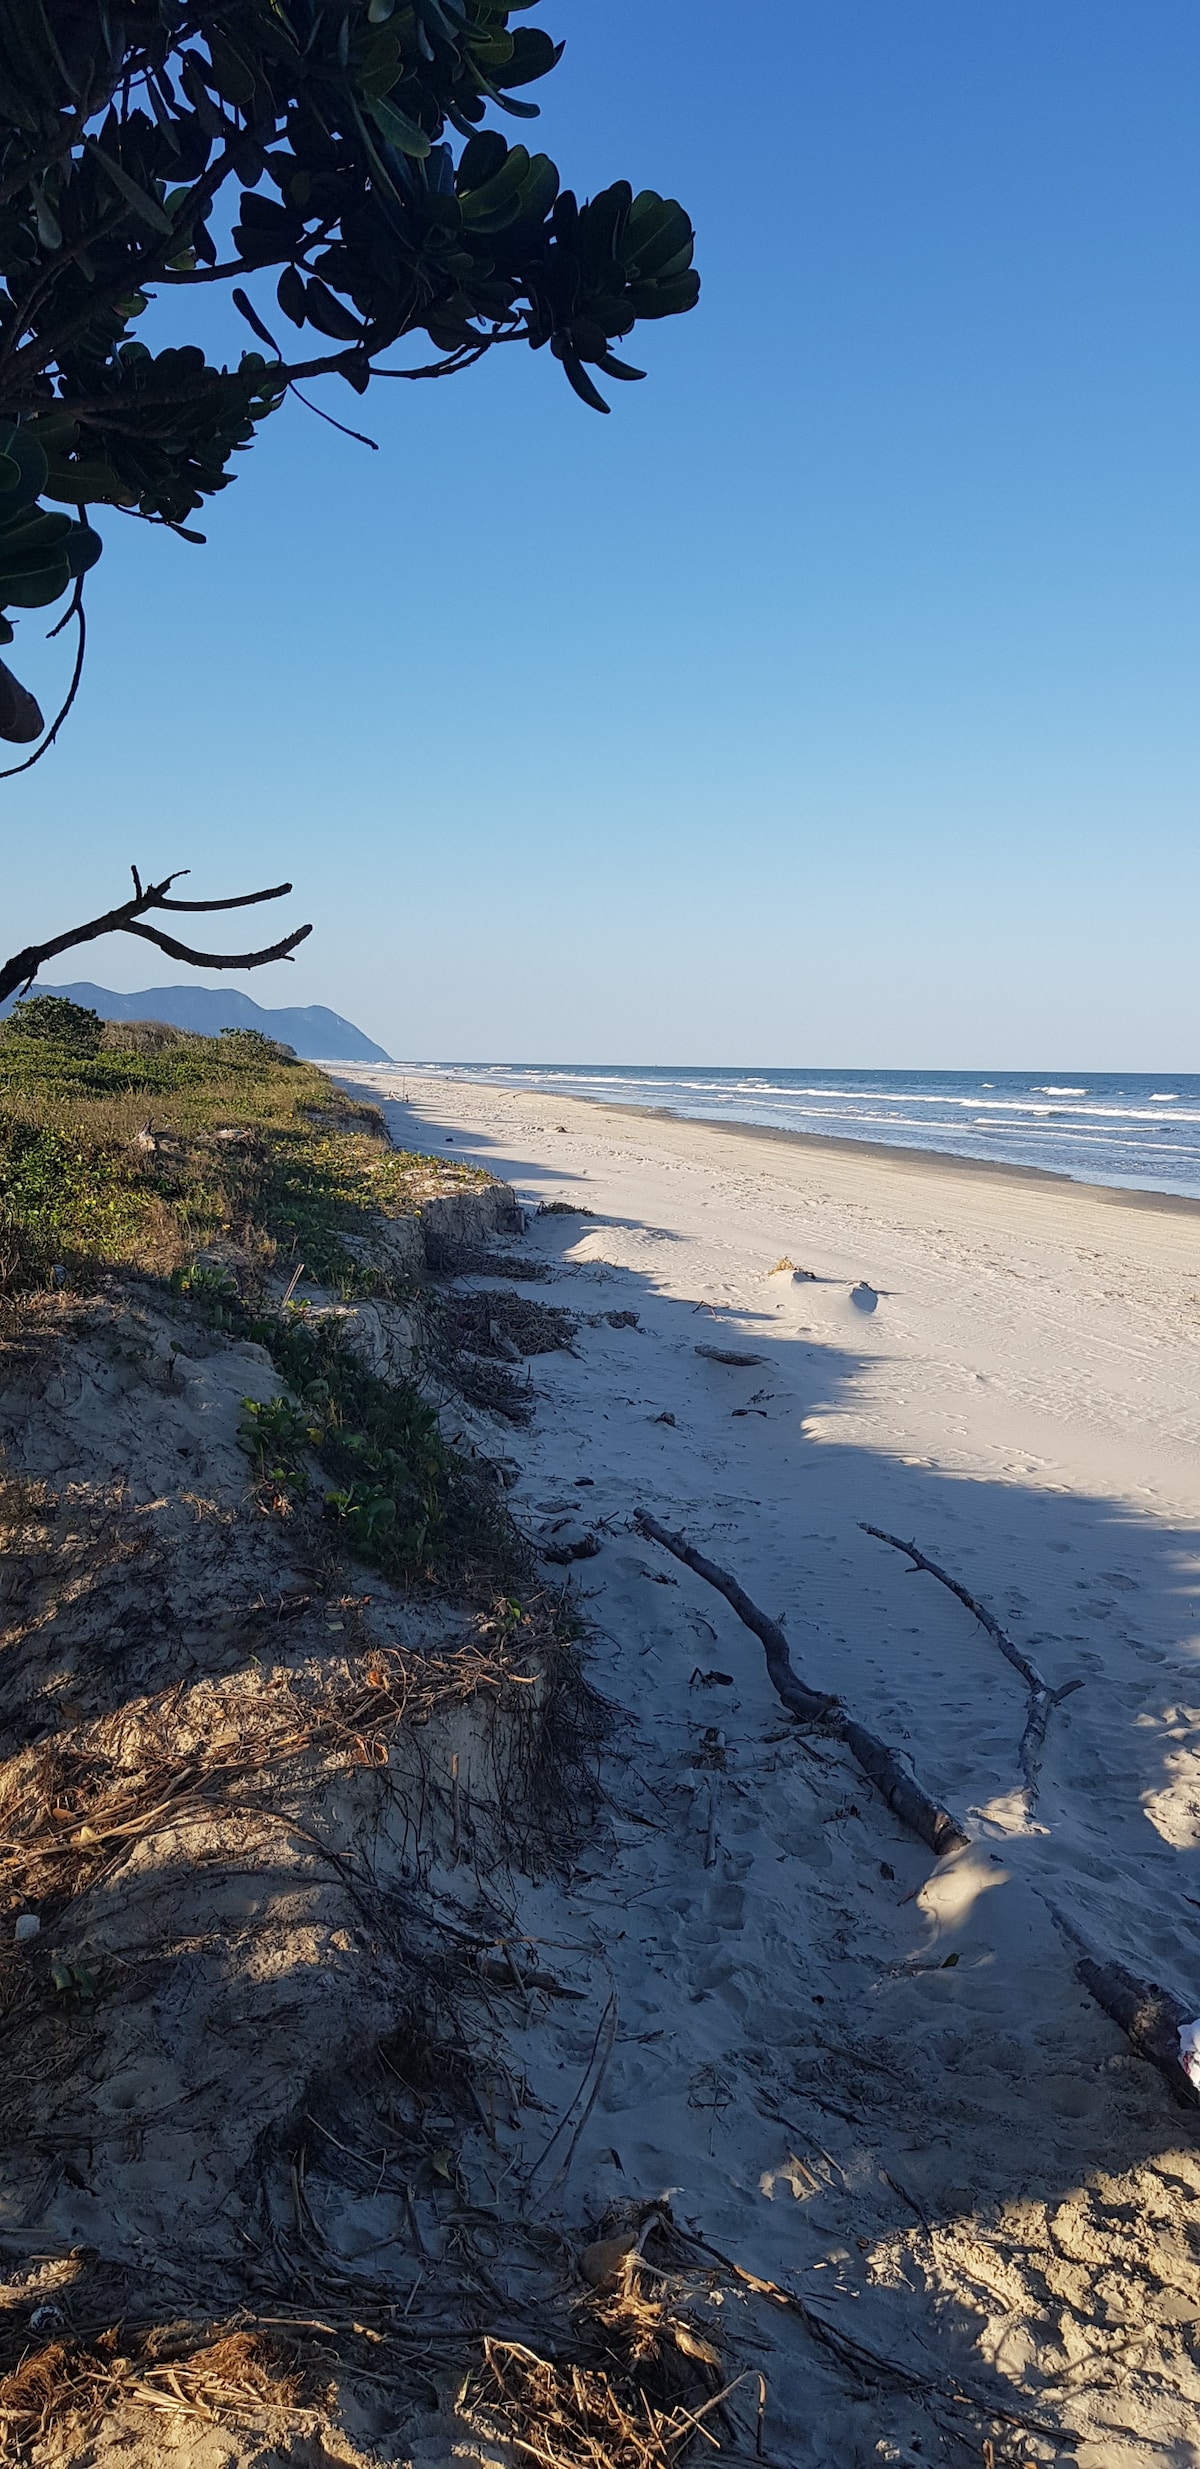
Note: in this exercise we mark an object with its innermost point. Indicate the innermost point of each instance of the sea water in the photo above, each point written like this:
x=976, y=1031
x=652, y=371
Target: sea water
x=1139, y=1130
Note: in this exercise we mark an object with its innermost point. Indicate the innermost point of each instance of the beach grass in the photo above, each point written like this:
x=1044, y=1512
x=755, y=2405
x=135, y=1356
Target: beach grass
x=141, y=1159
x=214, y=1167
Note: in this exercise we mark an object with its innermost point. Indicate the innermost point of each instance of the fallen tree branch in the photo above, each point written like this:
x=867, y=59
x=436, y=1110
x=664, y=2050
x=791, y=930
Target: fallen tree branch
x=1042, y=1697
x=1150, y=2016
x=881, y=1765
x=18, y=974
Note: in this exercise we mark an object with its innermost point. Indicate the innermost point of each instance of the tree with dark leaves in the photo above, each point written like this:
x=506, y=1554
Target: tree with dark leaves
x=336, y=148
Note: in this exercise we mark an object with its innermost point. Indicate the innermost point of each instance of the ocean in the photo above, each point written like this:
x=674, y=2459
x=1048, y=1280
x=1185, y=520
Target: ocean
x=1138, y=1130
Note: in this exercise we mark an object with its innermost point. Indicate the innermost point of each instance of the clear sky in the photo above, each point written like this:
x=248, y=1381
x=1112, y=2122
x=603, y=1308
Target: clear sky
x=833, y=702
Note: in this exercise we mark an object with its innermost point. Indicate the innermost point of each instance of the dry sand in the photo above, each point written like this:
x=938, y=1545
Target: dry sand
x=870, y=2076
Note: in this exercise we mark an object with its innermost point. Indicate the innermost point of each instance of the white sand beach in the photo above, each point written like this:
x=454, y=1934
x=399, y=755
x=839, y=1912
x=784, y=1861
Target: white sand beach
x=868, y=2074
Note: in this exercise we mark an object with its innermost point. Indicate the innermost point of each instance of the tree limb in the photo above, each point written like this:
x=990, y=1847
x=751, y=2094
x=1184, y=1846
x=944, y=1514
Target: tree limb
x=1150, y=2016
x=17, y=974
x=221, y=960
x=881, y=1765
x=1042, y=1698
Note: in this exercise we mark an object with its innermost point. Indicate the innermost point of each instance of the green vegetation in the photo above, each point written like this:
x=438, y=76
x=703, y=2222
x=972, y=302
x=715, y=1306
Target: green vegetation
x=55, y=1020
x=331, y=153
x=402, y=1499
x=143, y=1159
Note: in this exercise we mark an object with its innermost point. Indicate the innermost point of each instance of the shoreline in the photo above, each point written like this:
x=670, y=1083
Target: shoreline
x=907, y=1155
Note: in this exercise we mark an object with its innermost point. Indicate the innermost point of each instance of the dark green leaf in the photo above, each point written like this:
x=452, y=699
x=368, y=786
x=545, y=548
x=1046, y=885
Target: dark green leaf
x=289, y=292
x=328, y=314
x=148, y=207
x=577, y=377
x=399, y=132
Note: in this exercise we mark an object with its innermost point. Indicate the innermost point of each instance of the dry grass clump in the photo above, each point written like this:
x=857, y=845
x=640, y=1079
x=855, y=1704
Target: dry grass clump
x=146, y=1037
x=641, y=2382
x=494, y=1324
x=563, y=1208
x=69, y=2390
x=614, y=2416
x=75, y=1807
x=528, y=1267
x=475, y=1337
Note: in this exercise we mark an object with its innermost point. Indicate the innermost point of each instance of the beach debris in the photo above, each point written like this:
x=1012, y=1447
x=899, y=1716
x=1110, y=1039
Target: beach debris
x=622, y=1320
x=710, y=1833
x=28, y=1926
x=600, y=2263
x=1156, y=2022
x=731, y=1354
x=500, y=1967
x=664, y=1419
x=1042, y=1698
x=864, y=1298
x=583, y=2102
x=882, y=1766
x=711, y=1680
x=496, y=1322
x=567, y=1541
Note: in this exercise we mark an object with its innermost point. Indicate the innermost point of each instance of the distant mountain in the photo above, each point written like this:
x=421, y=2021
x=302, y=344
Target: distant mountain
x=320, y=1036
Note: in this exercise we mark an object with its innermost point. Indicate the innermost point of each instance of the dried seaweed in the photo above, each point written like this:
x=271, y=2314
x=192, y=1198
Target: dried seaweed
x=72, y=2388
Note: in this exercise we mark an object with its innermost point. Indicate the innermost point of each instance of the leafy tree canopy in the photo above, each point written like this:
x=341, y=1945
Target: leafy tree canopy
x=335, y=146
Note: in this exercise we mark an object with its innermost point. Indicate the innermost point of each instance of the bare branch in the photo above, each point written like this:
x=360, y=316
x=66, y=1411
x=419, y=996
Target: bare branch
x=17, y=974
x=244, y=900
x=883, y=1766
x=220, y=960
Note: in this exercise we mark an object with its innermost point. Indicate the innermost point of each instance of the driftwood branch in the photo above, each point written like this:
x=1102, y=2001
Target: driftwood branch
x=1042, y=1698
x=1150, y=2017
x=18, y=974
x=881, y=1765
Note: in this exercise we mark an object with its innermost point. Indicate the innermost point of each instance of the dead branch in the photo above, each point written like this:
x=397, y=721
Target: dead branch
x=1042, y=1698
x=18, y=974
x=1150, y=2016
x=881, y=1765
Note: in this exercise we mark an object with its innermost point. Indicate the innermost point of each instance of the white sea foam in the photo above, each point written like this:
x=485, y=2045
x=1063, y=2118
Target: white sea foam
x=1109, y=1129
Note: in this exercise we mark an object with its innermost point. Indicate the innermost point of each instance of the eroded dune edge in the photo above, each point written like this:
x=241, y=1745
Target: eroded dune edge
x=479, y=2020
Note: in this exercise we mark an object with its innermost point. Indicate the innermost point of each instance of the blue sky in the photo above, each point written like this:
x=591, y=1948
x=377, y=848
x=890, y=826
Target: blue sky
x=834, y=701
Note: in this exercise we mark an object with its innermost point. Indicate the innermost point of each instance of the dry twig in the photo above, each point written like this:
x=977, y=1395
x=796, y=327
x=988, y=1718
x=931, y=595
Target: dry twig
x=1042, y=1698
